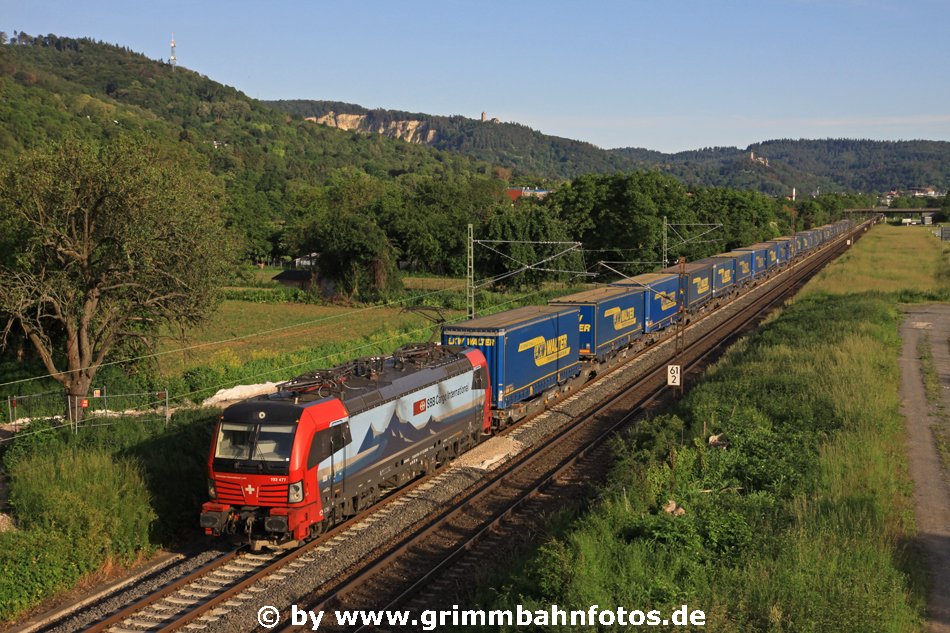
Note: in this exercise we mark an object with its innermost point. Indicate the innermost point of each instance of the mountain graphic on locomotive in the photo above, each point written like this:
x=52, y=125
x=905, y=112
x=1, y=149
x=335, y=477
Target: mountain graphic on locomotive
x=284, y=467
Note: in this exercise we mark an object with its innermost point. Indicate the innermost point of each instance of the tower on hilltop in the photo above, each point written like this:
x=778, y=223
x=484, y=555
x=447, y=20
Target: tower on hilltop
x=173, y=60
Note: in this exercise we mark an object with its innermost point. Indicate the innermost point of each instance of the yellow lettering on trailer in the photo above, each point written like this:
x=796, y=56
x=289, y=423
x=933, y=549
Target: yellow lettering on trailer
x=622, y=319
x=702, y=285
x=546, y=350
x=667, y=301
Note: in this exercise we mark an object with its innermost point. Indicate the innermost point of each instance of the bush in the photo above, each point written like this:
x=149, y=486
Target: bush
x=34, y=565
x=98, y=501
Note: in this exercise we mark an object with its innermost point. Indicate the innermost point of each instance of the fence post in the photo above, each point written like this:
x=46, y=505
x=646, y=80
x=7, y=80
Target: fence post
x=168, y=413
x=10, y=412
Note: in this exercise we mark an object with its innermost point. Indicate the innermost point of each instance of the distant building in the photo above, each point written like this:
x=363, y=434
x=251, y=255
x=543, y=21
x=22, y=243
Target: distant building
x=517, y=192
x=922, y=192
x=303, y=279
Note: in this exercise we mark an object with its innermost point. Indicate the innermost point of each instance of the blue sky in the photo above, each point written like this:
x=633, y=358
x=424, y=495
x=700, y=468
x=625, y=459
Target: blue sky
x=669, y=75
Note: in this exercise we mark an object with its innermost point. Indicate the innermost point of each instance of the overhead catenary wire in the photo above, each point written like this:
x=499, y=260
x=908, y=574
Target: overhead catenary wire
x=189, y=348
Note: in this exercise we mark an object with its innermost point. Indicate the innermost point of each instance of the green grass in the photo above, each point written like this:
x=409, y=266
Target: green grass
x=240, y=332
x=103, y=497
x=942, y=440
x=888, y=259
x=929, y=373
x=800, y=524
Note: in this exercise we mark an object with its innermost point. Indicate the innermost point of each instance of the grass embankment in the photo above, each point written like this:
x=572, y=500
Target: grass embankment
x=801, y=520
x=103, y=497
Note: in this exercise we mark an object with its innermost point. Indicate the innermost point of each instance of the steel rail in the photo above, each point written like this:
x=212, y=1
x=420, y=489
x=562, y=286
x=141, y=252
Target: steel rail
x=764, y=303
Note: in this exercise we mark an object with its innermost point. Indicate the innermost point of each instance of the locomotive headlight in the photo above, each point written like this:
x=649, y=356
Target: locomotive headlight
x=212, y=491
x=295, y=492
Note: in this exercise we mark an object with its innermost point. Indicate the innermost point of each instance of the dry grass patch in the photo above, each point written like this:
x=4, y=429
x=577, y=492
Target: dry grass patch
x=887, y=259
x=272, y=329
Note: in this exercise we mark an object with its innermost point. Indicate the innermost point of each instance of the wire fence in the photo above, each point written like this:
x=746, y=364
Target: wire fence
x=98, y=408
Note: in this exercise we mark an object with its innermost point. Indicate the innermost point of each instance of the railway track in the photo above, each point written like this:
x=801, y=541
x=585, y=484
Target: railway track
x=428, y=569
x=449, y=545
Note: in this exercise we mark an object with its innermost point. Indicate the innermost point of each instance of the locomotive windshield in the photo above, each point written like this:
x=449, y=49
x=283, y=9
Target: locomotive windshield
x=257, y=442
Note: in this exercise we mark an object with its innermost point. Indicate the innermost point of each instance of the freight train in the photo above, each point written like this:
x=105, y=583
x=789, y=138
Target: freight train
x=285, y=467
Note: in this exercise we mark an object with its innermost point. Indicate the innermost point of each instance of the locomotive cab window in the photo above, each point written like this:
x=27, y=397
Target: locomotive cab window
x=327, y=442
x=264, y=442
x=274, y=442
x=234, y=441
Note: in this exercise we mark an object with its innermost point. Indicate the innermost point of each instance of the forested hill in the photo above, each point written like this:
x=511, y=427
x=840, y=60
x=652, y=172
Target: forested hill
x=275, y=169
x=527, y=152
x=808, y=165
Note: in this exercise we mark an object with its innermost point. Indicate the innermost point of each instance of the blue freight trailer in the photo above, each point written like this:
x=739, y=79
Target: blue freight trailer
x=610, y=318
x=810, y=238
x=801, y=243
x=786, y=249
x=661, y=299
x=529, y=350
x=723, y=274
x=759, y=258
x=744, y=265
x=771, y=253
x=696, y=283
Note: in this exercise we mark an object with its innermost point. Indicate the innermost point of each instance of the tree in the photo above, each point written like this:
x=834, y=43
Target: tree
x=527, y=234
x=354, y=253
x=106, y=244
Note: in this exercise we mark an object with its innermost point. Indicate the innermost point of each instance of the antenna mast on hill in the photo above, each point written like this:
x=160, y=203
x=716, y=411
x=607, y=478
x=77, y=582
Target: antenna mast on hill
x=173, y=60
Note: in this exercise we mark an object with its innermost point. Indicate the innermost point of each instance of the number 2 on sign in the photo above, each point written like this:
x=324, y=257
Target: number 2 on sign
x=673, y=375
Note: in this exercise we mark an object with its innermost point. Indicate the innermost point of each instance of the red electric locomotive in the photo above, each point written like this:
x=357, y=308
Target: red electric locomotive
x=286, y=466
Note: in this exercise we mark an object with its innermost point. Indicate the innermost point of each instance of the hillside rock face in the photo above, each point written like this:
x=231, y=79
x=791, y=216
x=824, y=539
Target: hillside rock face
x=411, y=131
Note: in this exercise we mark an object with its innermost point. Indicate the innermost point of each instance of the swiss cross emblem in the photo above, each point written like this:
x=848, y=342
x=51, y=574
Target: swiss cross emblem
x=419, y=407
x=249, y=489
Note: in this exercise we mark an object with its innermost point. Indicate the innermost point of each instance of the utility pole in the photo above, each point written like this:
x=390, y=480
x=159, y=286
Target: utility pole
x=470, y=282
x=679, y=345
x=665, y=261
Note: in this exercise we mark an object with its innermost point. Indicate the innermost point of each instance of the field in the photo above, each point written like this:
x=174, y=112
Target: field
x=888, y=259
x=433, y=283
x=241, y=331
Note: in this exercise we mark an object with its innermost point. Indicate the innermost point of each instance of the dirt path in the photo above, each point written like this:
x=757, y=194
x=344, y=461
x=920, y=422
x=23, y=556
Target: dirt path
x=931, y=488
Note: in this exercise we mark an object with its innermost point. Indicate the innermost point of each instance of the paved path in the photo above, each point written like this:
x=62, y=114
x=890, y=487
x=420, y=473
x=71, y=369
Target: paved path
x=931, y=488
